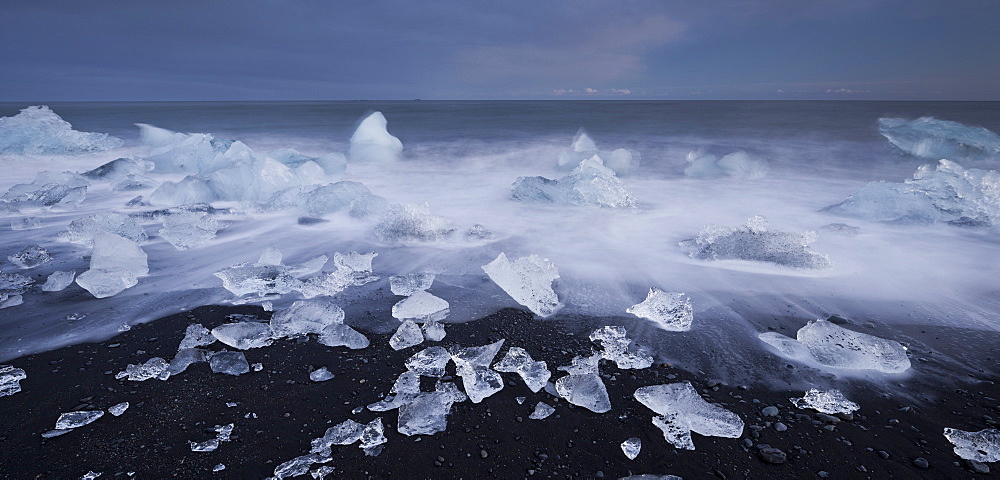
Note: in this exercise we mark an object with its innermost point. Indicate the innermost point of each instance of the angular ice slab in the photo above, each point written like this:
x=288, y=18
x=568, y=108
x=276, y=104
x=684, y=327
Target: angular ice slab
x=340, y=335
x=372, y=143
x=407, y=335
x=409, y=284
x=247, y=278
x=473, y=365
x=37, y=130
x=896, y=203
x=683, y=411
x=30, y=257
x=10, y=380
x=115, y=252
x=427, y=414
x=829, y=402
x=754, y=242
x=615, y=347
x=321, y=374
x=421, y=307
x=48, y=189
x=84, y=230
x=583, y=148
x=78, y=419
x=243, y=335
x=186, y=230
x=590, y=183
x=304, y=317
x=403, y=223
x=583, y=386
x=119, y=168
x=981, y=446
x=670, y=311
x=196, y=335
x=155, y=367
x=928, y=137
x=833, y=346
x=542, y=411
x=738, y=164
x=352, y=197
x=232, y=363
x=528, y=280
x=632, y=447
x=118, y=409
x=535, y=374
x=429, y=362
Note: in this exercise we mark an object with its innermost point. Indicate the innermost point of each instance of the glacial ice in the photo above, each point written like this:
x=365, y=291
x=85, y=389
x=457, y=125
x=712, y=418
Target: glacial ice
x=232, y=363
x=583, y=148
x=173, y=152
x=187, y=191
x=683, y=411
x=427, y=414
x=542, y=411
x=332, y=164
x=590, y=183
x=10, y=380
x=897, y=203
x=615, y=347
x=30, y=257
x=407, y=335
x=528, y=280
x=48, y=189
x=928, y=137
x=186, y=230
x=37, y=130
x=429, y=362
x=828, y=402
x=473, y=365
x=535, y=374
x=78, y=419
x=321, y=374
x=120, y=168
x=115, y=252
x=340, y=335
x=834, y=346
x=754, y=242
x=196, y=335
x=243, y=335
x=84, y=230
x=246, y=278
x=421, y=307
x=433, y=330
x=403, y=223
x=58, y=281
x=632, y=447
x=738, y=164
x=118, y=409
x=372, y=143
x=24, y=223
x=352, y=197
x=409, y=284
x=981, y=446
x=373, y=437
x=304, y=317
x=155, y=367
x=670, y=311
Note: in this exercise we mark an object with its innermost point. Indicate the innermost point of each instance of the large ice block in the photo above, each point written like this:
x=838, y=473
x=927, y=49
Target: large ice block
x=372, y=142
x=831, y=345
x=682, y=411
x=754, y=242
x=670, y=311
x=590, y=183
x=528, y=280
x=37, y=130
x=928, y=137
x=47, y=190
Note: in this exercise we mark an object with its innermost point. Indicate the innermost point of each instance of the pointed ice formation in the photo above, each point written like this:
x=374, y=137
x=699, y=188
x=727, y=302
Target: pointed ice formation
x=78, y=419
x=372, y=143
x=683, y=411
x=118, y=409
x=981, y=446
x=632, y=447
x=754, y=242
x=528, y=280
x=831, y=345
x=670, y=311
x=535, y=374
x=37, y=130
x=473, y=365
x=590, y=183
x=829, y=402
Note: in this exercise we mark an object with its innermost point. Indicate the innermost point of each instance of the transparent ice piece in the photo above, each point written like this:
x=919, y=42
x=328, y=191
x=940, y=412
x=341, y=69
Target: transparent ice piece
x=186, y=230
x=373, y=437
x=37, y=130
x=84, y=230
x=304, y=317
x=682, y=411
x=407, y=335
x=232, y=363
x=585, y=390
x=670, y=311
x=472, y=364
x=243, y=335
x=425, y=415
x=403, y=223
x=10, y=380
x=410, y=284
x=320, y=375
x=155, y=367
x=829, y=402
x=340, y=335
x=591, y=183
x=118, y=409
x=632, y=447
x=421, y=307
x=429, y=362
x=196, y=335
x=615, y=346
x=542, y=411
x=528, y=280
x=535, y=374
x=754, y=242
x=58, y=281
x=928, y=137
x=24, y=223
x=981, y=446
x=78, y=419
x=433, y=330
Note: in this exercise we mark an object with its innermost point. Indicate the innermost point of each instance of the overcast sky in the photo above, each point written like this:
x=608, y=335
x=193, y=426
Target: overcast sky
x=500, y=49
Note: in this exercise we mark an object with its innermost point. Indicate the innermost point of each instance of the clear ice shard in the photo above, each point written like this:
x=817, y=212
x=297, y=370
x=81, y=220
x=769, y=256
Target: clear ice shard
x=590, y=183
x=895, y=203
x=738, y=164
x=632, y=447
x=84, y=230
x=433, y=330
x=344, y=433
x=683, y=411
x=37, y=130
x=585, y=390
x=340, y=335
x=232, y=363
x=754, y=242
x=10, y=380
x=372, y=142
x=670, y=311
x=243, y=335
x=30, y=257
x=583, y=147
x=78, y=419
x=58, y=281
x=206, y=446
x=196, y=335
x=405, y=223
x=421, y=307
x=373, y=437
x=410, y=284
x=928, y=137
x=542, y=411
x=102, y=283
x=155, y=367
x=118, y=409
x=429, y=362
x=473, y=365
x=321, y=374
x=528, y=280
x=426, y=414
x=185, y=230
x=47, y=190
x=829, y=402
x=535, y=374
x=252, y=278
x=407, y=335
x=981, y=446
x=615, y=347
x=304, y=317
x=831, y=345
x=115, y=252
x=185, y=358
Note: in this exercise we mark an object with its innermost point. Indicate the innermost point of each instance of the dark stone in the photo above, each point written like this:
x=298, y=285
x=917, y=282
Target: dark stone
x=772, y=455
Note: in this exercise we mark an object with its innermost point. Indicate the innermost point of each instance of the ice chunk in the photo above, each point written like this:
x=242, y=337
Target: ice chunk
x=754, y=242
x=185, y=358
x=668, y=310
x=85, y=230
x=535, y=374
x=78, y=419
x=37, y=130
x=91, y=475
x=196, y=335
x=320, y=375
x=48, y=189
x=373, y=437
x=928, y=137
x=542, y=411
x=402, y=223
x=270, y=256
x=10, y=380
x=426, y=414
x=583, y=148
x=616, y=348
x=473, y=365
x=888, y=203
x=186, y=230
x=118, y=409
x=30, y=257
x=829, y=402
x=173, y=152
x=247, y=278
x=243, y=335
x=352, y=197
x=13, y=283
x=371, y=141
x=340, y=335
x=479, y=231
x=106, y=282
x=409, y=284
x=155, y=367
x=407, y=335
x=8, y=300
x=232, y=363
x=584, y=390
x=632, y=447
x=119, y=168
x=835, y=346
x=683, y=411
x=433, y=330
x=344, y=433
x=206, y=446
x=786, y=346
x=421, y=307
x=966, y=196
x=304, y=317
x=188, y=190
x=112, y=253
x=591, y=183
x=58, y=281
x=24, y=223
x=738, y=164
x=219, y=467
x=981, y=446
x=429, y=362
x=528, y=280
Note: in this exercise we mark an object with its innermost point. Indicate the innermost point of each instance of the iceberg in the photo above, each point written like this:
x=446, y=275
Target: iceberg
x=535, y=374
x=410, y=284
x=421, y=307
x=84, y=230
x=372, y=143
x=528, y=280
x=304, y=317
x=47, y=190
x=738, y=164
x=402, y=223
x=30, y=257
x=37, y=130
x=590, y=183
x=186, y=230
x=583, y=148
x=928, y=137
x=833, y=346
x=340, y=335
x=829, y=402
x=754, y=242
x=981, y=446
x=10, y=380
x=243, y=335
x=670, y=311
x=683, y=411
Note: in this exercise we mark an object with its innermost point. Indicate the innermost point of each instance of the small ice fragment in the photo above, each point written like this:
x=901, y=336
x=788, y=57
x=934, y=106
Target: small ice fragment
x=196, y=335
x=224, y=432
x=56, y=433
x=124, y=328
x=118, y=409
x=682, y=411
x=520, y=400
x=78, y=419
x=829, y=402
x=528, y=280
x=754, y=242
x=243, y=335
x=321, y=472
x=373, y=437
x=372, y=142
x=257, y=367
x=30, y=257
x=429, y=362
x=304, y=317
x=206, y=446
x=8, y=300
x=535, y=374
x=407, y=335
x=340, y=335
x=155, y=367
x=591, y=183
x=616, y=348
x=232, y=404
x=91, y=475
x=473, y=365
x=320, y=375
x=632, y=447
x=737, y=164
x=409, y=284
x=585, y=390
x=433, y=330
x=25, y=223
x=420, y=307
x=479, y=231
x=981, y=446
x=296, y=466
x=668, y=310
x=10, y=380
x=542, y=411
x=403, y=223
x=218, y=468
x=232, y=363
